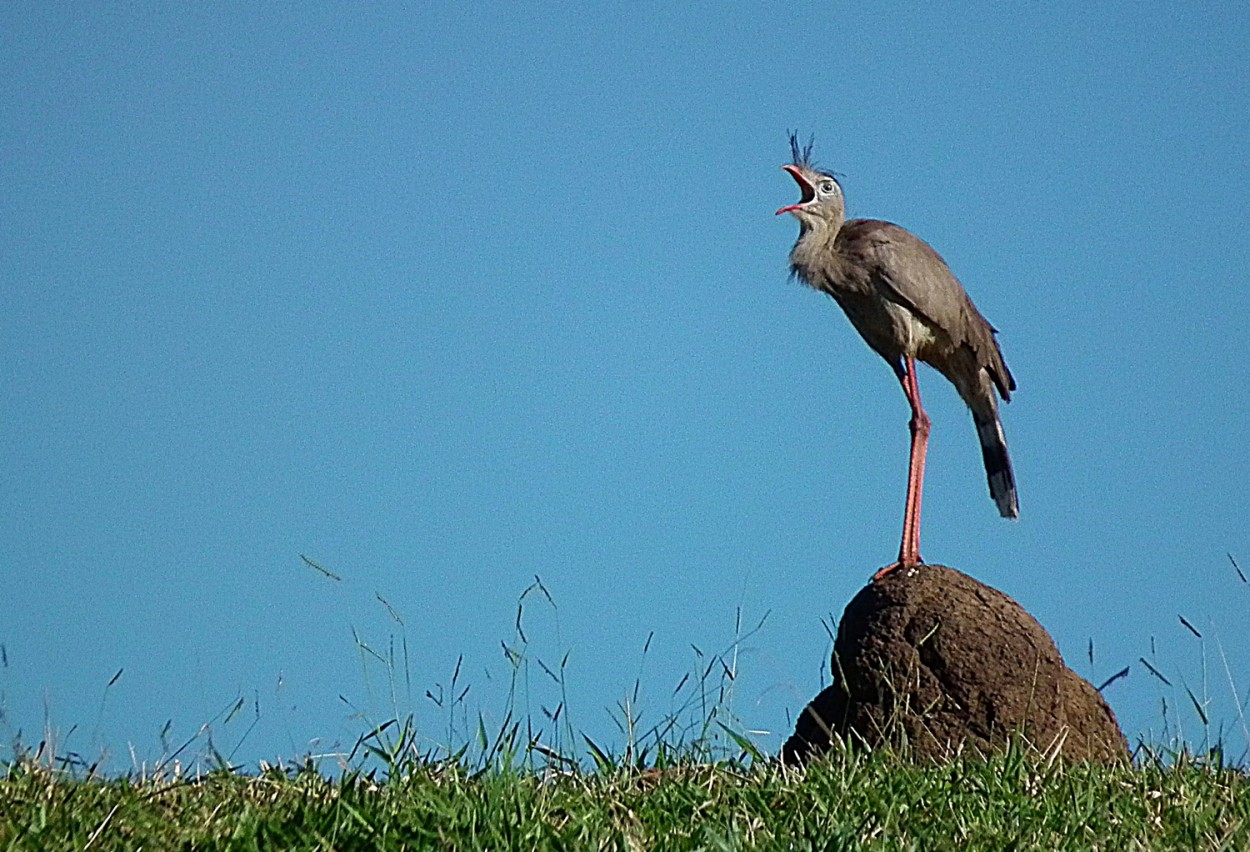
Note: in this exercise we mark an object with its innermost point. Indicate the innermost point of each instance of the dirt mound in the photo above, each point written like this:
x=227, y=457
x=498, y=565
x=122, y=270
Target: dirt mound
x=935, y=658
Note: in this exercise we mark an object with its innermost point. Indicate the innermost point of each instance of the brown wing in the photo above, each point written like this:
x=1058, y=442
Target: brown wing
x=908, y=271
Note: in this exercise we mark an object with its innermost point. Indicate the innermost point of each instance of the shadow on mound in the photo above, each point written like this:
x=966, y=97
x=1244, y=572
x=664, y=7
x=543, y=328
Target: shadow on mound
x=932, y=658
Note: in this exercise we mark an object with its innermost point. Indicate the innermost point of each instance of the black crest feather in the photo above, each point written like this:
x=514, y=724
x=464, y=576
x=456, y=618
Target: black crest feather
x=801, y=155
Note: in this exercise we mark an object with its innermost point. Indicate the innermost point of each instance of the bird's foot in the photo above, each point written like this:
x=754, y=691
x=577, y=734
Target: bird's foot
x=891, y=568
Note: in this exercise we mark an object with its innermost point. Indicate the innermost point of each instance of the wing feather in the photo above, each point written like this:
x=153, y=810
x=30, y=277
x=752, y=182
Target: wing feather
x=908, y=271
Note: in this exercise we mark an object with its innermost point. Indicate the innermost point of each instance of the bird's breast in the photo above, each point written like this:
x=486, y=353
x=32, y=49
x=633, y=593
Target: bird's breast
x=915, y=336
x=888, y=327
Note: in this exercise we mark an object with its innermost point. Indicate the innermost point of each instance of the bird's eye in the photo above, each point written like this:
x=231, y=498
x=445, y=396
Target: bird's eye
x=827, y=186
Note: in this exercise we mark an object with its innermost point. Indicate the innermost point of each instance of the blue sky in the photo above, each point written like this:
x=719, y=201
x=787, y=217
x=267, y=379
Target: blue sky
x=444, y=297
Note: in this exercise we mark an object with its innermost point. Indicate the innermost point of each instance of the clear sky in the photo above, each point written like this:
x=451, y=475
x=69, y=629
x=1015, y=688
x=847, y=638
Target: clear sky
x=447, y=296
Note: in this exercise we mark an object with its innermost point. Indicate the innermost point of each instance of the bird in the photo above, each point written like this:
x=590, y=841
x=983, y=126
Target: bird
x=905, y=302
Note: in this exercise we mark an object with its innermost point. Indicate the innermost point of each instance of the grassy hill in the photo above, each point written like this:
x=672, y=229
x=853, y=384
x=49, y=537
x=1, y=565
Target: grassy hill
x=876, y=801
x=689, y=781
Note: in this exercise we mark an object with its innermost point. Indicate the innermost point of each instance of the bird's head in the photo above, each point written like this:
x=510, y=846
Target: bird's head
x=821, y=201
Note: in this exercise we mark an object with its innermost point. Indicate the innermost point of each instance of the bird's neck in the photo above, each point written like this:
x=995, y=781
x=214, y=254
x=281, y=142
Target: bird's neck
x=814, y=251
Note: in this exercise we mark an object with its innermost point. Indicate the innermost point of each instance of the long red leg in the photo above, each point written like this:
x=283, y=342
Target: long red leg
x=909, y=549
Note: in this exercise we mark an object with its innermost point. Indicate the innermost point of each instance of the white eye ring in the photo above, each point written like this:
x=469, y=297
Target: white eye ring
x=827, y=186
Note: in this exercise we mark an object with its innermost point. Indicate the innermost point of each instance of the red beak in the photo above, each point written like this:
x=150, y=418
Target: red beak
x=809, y=191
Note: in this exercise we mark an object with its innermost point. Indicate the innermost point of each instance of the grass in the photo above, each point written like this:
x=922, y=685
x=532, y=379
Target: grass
x=849, y=800
x=692, y=780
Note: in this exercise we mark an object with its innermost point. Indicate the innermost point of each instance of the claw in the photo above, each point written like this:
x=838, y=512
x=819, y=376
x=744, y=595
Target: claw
x=894, y=566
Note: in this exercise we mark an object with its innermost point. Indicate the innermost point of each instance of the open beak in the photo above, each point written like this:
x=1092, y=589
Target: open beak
x=809, y=191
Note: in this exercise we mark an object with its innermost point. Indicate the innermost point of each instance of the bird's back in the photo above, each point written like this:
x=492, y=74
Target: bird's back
x=904, y=300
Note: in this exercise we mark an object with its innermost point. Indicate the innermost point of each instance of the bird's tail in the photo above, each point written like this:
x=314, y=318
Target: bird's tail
x=997, y=463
